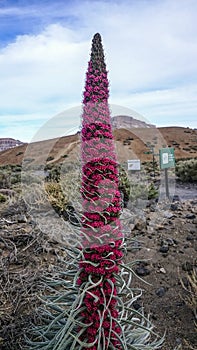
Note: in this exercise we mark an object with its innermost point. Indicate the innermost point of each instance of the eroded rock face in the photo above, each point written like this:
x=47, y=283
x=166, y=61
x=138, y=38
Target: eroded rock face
x=127, y=122
x=7, y=143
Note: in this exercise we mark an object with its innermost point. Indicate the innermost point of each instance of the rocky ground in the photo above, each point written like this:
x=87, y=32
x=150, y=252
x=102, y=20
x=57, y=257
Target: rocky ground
x=166, y=240
x=162, y=236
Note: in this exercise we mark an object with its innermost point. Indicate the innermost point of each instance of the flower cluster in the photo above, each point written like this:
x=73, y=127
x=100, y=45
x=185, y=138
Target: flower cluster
x=96, y=87
x=101, y=234
x=96, y=148
x=96, y=112
x=101, y=263
x=97, y=129
x=100, y=179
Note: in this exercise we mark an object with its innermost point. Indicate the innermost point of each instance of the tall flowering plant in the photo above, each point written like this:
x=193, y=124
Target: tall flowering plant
x=101, y=236
x=89, y=302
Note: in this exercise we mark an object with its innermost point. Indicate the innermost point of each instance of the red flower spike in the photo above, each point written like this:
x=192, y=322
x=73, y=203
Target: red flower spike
x=101, y=235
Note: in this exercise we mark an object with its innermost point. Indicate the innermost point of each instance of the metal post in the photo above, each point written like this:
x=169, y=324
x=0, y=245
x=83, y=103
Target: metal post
x=166, y=183
x=153, y=164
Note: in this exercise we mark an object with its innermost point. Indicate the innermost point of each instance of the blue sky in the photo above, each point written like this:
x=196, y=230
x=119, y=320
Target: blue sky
x=151, y=54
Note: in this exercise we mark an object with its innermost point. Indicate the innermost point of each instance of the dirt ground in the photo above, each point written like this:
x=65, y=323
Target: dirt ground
x=162, y=235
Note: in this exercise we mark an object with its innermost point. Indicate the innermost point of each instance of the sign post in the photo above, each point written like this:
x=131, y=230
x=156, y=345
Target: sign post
x=167, y=160
x=151, y=151
x=166, y=183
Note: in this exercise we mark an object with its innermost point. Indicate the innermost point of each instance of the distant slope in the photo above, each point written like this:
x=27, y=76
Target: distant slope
x=130, y=144
x=127, y=122
x=8, y=142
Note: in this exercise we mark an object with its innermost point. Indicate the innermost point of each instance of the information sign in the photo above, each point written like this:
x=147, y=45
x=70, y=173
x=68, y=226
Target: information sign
x=134, y=164
x=166, y=158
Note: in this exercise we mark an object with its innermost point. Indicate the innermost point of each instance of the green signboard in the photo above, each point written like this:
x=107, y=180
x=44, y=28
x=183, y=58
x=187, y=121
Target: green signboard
x=166, y=158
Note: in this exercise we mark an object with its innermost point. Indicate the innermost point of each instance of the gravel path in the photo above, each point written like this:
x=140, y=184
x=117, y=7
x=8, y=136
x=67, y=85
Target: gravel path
x=185, y=192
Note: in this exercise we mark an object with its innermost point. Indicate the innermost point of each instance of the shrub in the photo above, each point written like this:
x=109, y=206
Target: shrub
x=186, y=170
x=148, y=167
x=186, y=149
x=15, y=178
x=194, y=147
x=124, y=185
x=138, y=191
x=9, y=175
x=2, y=198
x=50, y=158
x=191, y=297
x=56, y=196
x=5, y=177
x=53, y=173
x=17, y=168
x=152, y=191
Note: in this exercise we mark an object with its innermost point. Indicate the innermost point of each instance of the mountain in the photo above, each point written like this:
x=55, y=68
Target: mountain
x=8, y=142
x=127, y=122
x=130, y=144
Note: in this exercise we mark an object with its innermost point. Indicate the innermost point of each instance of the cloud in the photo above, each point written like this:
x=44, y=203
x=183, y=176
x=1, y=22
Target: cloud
x=39, y=69
x=176, y=106
x=151, y=54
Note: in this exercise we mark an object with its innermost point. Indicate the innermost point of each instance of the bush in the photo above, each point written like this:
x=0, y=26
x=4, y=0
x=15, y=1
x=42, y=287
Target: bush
x=17, y=168
x=152, y=191
x=148, y=167
x=5, y=177
x=186, y=148
x=190, y=286
x=194, y=147
x=2, y=198
x=138, y=191
x=15, y=178
x=56, y=196
x=50, y=158
x=186, y=170
x=9, y=175
x=124, y=184
x=192, y=292
x=53, y=173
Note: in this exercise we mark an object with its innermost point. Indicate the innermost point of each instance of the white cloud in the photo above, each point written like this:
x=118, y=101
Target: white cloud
x=151, y=54
x=176, y=106
x=39, y=69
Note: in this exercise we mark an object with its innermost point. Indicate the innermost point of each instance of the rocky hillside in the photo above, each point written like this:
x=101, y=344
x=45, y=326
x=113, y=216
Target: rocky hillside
x=7, y=142
x=126, y=122
x=130, y=144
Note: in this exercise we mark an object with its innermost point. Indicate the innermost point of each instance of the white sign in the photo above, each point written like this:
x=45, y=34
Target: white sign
x=134, y=164
x=165, y=158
